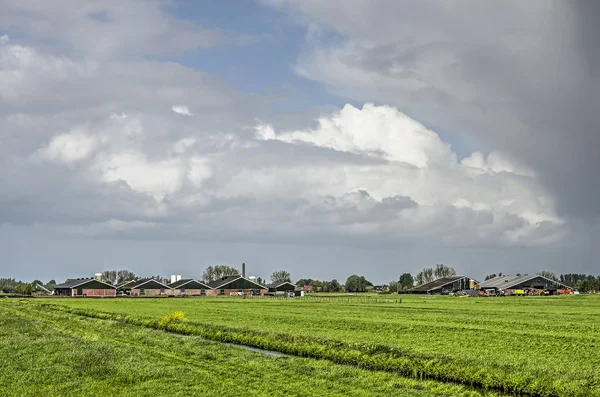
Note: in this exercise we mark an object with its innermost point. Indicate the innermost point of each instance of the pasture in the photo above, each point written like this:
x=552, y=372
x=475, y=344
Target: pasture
x=537, y=346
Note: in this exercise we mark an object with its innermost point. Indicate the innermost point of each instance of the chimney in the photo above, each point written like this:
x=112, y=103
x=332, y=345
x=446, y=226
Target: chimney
x=244, y=270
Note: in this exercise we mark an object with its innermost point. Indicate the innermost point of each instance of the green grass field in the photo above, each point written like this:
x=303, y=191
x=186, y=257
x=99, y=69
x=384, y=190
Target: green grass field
x=55, y=353
x=538, y=346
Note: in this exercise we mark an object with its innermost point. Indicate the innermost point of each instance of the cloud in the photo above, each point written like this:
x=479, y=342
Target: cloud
x=69, y=148
x=103, y=29
x=183, y=110
x=518, y=78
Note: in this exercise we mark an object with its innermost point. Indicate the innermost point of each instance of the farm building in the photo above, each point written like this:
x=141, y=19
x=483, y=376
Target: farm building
x=125, y=286
x=149, y=287
x=285, y=286
x=188, y=286
x=523, y=284
x=237, y=285
x=85, y=287
x=444, y=285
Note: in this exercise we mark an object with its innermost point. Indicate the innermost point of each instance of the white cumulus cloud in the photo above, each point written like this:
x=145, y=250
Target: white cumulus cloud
x=181, y=109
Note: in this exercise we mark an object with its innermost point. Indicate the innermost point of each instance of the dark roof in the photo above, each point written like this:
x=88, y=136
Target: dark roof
x=73, y=283
x=436, y=284
x=185, y=281
x=507, y=282
x=223, y=281
x=126, y=284
x=279, y=284
x=140, y=283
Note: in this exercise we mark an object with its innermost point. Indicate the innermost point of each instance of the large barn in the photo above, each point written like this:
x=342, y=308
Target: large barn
x=522, y=284
x=237, y=285
x=85, y=287
x=188, y=287
x=445, y=285
x=284, y=286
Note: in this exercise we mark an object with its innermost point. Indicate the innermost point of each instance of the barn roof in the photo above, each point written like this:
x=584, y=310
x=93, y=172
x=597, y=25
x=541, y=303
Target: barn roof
x=436, y=284
x=186, y=282
x=79, y=282
x=140, y=283
x=279, y=284
x=508, y=282
x=126, y=284
x=224, y=281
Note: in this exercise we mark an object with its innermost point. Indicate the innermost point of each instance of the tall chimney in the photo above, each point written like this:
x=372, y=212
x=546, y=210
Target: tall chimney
x=244, y=270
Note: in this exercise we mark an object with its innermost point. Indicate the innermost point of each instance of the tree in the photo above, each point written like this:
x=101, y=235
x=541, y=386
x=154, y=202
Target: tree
x=36, y=282
x=216, y=272
x=419, y=279
x=490, y=276
x=280, y=276
x=428, y=275
x=442, y=271
x=109, y=276
x=303, y=281
x=23, y=289
x=50, y=284
x=356, y=283
x=406, y=281
x=548, y=274
x=125, y=275
x=335, y=286
x=394, y=286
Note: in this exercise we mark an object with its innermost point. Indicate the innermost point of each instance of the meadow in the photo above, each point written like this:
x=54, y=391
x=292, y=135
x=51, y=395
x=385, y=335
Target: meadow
x=56, y=353
x=536, y=346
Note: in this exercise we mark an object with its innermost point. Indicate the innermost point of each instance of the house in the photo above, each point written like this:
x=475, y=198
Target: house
x=520, y=285
x=147, y=287
x=307, y=288
x=444, y=285
x=284, y=286
x=188, y=287
x=85, y=287
x=236, y=285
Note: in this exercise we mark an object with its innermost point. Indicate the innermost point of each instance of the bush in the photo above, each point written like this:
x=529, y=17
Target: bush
x=175, y=317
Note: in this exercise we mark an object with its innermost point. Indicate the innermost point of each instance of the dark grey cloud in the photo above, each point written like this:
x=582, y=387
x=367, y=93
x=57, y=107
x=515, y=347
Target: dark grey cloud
x=520, y=77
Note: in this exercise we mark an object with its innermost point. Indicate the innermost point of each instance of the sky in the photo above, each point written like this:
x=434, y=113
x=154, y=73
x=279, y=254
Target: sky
x=323, y=138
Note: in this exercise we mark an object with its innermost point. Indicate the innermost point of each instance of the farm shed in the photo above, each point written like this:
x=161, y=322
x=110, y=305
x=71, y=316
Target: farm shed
x=508, y=284
x=125, y=287
x=444, y=285
x=85, y=287
x=285, y=286
x=188, y=286
x=237, y=285
x=149, y=287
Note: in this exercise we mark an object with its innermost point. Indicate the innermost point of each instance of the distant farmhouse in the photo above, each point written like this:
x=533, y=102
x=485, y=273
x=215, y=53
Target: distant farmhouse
x=85, y=287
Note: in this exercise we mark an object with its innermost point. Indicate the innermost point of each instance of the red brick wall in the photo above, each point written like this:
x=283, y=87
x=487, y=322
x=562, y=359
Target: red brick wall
x=100, y=292
x=150, y=292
